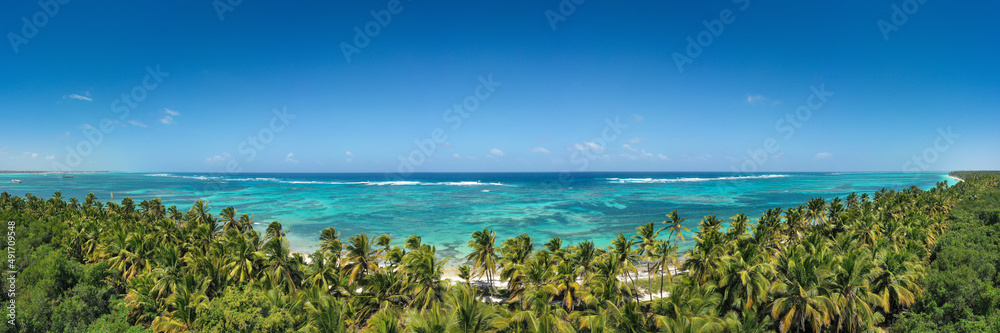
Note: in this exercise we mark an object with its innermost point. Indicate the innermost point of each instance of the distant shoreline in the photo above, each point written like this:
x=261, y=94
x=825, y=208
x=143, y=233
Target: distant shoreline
x=4, y=172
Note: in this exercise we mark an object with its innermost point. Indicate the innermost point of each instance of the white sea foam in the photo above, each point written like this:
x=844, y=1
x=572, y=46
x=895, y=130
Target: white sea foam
x=683, y=180
x=253, y=179
x=320, y=182
x=315, y=182
x=459, y=183
x=466, y=183
x=396, y=183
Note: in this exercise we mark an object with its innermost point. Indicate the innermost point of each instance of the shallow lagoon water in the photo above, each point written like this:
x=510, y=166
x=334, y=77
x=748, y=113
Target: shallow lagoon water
x=444, y=208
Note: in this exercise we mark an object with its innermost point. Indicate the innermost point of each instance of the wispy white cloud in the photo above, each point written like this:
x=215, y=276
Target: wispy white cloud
x=823, y=156
x=86, y=126
x=137, y=123
x=455, y=155
x=291, y=158
x=590, y=149
x=169, y=118
x=349, y=153
x=78, y=97
x=540, y=150
x=217, y=158
x=640, y=154
x=497, y=152
x=635, y=140
x=638, y=118
x=699, y=157
x=593, y=146
x=50, y=157
x=760, y=99
x=754, y=99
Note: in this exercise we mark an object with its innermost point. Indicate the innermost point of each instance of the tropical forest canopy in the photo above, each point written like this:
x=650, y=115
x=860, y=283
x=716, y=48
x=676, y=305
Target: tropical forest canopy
x=899, y=261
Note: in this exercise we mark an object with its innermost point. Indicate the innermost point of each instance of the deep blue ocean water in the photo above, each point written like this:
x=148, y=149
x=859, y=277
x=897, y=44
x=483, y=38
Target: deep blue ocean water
x=444, y=208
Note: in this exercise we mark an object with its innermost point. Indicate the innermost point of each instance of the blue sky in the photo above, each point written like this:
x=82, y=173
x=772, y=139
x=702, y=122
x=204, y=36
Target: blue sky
x=929, y=92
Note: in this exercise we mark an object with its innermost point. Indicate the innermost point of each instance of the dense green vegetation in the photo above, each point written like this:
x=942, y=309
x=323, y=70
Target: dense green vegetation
x=894, y=261
x=962, y=284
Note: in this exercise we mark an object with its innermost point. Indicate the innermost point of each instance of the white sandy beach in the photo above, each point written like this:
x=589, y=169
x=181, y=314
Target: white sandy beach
x=451, y=275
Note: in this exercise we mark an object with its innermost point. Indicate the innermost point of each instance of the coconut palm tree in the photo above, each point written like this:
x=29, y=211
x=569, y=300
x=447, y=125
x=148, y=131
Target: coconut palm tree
x=131, y=253
x=851, y=283
x=433, y=320
x=329, y=242
x=423, y=277
x=632, y=318
x=246, y=256
x=604, y=284
x=470, y=315
x=675, y=225
x=385, y=241
x=665, y=255
x=385, y=320
x=852, y=201
x=465, y=273
x=621, y=248
x=895, y=282
x=228, y=215
x=646, y=236
x=689, y=308
x=199, y=214
x=324, y=271
x=801, y=295
x=273, y=231
x=167, y=271
x=816, y=210
x=795, y=223
x=554, y=245
x=326, y=314
x=738, y=229
x=412, y=243
x=183, y=306
x=535, y=272
x=282, y=270
x=484, y=254
x=513, y=254
x=566, y=286
x=746, y=279
x=361, y=257
x=142, y=301
x=584, y=255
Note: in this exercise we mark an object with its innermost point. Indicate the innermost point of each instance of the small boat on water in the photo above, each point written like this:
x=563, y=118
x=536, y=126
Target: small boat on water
x=15, y=181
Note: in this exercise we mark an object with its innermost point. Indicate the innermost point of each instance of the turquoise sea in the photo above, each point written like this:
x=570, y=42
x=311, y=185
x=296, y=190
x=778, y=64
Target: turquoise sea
x=444, y=208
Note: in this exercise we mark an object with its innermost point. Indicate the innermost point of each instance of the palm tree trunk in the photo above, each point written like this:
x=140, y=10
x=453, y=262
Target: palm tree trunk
x=489, y=287
x=635, y=296
x=649, y=273
x=662, y=266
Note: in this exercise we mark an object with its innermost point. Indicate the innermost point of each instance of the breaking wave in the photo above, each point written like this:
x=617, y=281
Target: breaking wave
x=684, y=180
x=316, y=182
